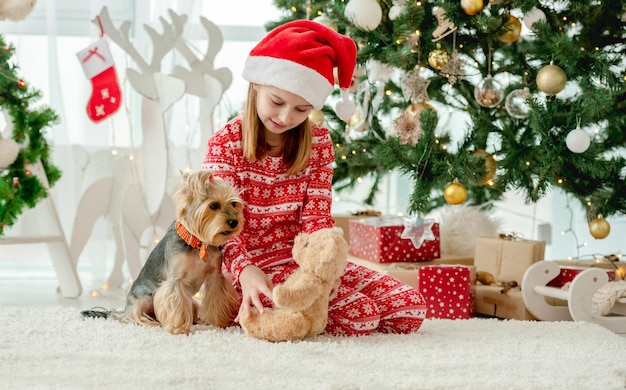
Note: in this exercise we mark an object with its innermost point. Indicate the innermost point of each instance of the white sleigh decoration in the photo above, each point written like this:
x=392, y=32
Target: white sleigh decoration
x=579, y=297
x=133, y=194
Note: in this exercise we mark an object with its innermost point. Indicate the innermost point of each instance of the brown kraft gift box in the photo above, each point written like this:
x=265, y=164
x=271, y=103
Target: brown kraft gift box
x=492, y=302
x=507, y=258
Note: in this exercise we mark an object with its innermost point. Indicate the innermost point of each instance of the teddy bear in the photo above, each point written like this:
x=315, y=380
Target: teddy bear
x=16, y=10
x=301, y=303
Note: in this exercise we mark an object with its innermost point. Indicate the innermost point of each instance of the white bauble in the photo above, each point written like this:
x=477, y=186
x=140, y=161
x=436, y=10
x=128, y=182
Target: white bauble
x=365, y=14
x=395, y=11
x=324, y=20
x=533, y=16
x=578, y=140
x=9, y=150
x=16, y=10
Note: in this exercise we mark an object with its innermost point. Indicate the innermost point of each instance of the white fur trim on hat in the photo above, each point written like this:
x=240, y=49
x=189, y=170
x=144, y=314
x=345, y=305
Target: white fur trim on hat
x=290, y=76
x=301, y=57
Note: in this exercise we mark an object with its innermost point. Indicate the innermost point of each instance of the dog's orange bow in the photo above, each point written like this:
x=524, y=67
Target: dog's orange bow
x=190, y=239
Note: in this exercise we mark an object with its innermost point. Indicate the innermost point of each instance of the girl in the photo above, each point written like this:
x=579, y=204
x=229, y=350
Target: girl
x=283, y=164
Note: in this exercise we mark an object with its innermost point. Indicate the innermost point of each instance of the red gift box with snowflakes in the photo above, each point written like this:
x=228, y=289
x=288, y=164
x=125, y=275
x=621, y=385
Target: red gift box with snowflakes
x=449, y=290
x=568, y=273
x=380, y=239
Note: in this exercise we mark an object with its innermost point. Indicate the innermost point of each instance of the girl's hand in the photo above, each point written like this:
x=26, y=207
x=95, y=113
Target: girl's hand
x=253, y=282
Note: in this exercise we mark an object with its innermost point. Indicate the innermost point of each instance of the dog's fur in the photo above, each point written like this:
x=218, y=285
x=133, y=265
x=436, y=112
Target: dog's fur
x=163, y=294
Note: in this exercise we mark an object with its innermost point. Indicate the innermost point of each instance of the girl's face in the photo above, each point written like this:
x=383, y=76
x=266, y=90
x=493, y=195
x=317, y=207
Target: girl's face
x=279, y=110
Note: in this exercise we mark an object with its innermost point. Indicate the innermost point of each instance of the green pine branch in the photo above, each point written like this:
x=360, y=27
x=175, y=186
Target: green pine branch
x=19, y=187
x=585, y=38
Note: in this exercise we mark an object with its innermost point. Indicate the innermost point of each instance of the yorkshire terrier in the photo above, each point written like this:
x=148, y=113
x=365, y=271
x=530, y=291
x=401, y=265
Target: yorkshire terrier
x=209, y=212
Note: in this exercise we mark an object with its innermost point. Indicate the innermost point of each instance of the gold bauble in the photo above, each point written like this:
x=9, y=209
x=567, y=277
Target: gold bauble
x=513, y=29
x=438, y=58
x=599, y=228
x=490, y=166
x=317, y=117
x=455, y=193
x=472, y=7
x=551, y=79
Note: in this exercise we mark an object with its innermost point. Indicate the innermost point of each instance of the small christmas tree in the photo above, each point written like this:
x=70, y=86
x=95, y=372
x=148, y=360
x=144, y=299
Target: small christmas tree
x=25, y=143
x=540, y=87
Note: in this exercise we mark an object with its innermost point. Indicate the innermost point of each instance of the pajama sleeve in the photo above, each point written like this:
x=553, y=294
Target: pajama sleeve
x=316, y=213
x=222, y=160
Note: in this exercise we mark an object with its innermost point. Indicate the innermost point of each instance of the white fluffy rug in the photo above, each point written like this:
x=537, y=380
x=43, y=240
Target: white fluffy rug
x=54, y=348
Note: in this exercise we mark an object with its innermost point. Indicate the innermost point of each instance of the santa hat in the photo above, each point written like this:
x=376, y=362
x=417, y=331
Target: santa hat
x=299, y=57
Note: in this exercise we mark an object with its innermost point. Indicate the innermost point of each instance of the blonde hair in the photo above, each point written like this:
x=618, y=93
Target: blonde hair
x=298, y=141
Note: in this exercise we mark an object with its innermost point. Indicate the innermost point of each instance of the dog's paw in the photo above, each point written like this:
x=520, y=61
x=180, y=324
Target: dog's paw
x=177, y=330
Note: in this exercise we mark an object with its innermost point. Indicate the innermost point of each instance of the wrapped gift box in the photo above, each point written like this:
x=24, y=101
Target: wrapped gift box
x=343, y=220
x=619, y=267
x=492, y=302
x=379, y=239
x=507, y=258
x=449, y=290
x=568, y=273
x=407, y=272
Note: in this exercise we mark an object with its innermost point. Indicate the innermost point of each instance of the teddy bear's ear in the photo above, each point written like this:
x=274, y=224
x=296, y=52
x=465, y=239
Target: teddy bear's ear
x=338, y=231
x=301, y=237
x=327, y=245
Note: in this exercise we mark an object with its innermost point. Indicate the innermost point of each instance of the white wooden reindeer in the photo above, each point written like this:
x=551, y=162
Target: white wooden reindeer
x=133, y=194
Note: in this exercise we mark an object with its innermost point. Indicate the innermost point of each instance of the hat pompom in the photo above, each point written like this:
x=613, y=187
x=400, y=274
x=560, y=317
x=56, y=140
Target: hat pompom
x=345, y=108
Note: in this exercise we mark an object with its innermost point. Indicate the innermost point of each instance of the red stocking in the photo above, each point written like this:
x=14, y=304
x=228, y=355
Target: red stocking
x=98, y=66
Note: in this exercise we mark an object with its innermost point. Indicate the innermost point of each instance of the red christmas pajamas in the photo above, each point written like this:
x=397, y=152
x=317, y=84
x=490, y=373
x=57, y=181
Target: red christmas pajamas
x=366, y=301
x=278, y=208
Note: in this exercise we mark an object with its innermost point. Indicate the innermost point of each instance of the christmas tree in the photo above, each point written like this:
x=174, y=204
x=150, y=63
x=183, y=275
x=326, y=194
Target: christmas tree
x=538, y=85
x=25, y=143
